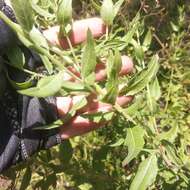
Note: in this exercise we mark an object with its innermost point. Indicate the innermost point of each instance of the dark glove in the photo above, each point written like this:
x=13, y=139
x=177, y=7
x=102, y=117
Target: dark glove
x=20, y=114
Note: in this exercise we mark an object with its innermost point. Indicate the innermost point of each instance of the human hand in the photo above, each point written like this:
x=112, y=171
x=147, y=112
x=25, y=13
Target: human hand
x=79, y=125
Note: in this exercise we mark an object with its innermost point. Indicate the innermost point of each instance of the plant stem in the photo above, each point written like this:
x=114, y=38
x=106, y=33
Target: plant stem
x=76, y=65
x=32, y=73
x=107, y=32
x=12, y=25
x=169, y=91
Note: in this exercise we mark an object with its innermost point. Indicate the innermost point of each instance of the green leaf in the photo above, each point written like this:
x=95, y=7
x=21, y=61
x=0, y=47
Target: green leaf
x=133, y=109
x=124, y=113
x=16, y=57
x=98, y=116
x=48, y=65
x=169, y=135
x=41, y=11
x=118, y=143
x=24, y=13
x=139, y=52
x=54, y=125
x=147, y=40
x=117, y=7
x=96, y=5
x=172, y=153
x=107, y=12
x=37, y=38
x=89, y=59
x=146, y=174
x=114, y=64
x=135, y=142
x=64, y=12
x=73, y=86
x=20, y=85
x=47, y=86
x=155, y=91
x=140, y=81
x=133, y=28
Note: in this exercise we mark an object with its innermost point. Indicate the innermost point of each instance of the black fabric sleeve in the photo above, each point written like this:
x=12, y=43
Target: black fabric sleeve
x=18, y=140
x=20, y=114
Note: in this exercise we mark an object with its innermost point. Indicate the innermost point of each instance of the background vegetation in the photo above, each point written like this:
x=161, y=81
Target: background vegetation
x=160, y=138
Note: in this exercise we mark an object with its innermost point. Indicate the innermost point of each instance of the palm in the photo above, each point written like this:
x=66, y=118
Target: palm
x=79, y=125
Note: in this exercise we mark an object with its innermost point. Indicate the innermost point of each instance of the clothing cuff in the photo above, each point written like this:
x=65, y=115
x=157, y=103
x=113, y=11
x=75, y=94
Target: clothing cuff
x=37, y=112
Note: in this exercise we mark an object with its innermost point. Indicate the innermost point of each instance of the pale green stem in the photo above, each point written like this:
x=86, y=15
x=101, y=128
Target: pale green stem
x=77, y=67
x=33, y=73
x=107, y=32
x=12, y=25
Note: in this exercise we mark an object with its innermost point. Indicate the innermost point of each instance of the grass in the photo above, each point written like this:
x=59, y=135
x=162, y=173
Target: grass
x=90, y=162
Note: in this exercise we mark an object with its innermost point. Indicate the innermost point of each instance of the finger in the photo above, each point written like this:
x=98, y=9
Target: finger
x=78, y=33
x=124, y=100
x=78, y=126
x=96, y=106
x=64, y=104
x=127, y=67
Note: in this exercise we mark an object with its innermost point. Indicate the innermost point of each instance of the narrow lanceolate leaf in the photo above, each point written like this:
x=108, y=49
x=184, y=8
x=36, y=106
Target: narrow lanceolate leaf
x=37, y=38
x=140, y=81
x=113, y=68
x=171, y=153
x=107, y=12
x=64, y=12
x=146, y=174
x=24, y=13
x=133, y=28
x=117, y=7
x=47, y=63
x=42, y=12
x=73, y=86
x=54, y=125
x=155, y=91
x=98, y=116
x=135, y=142
x=147, y=40
x=118, y=143
x=47, y=86
x=89, y=60
x=16, y=57
x=20, y=85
